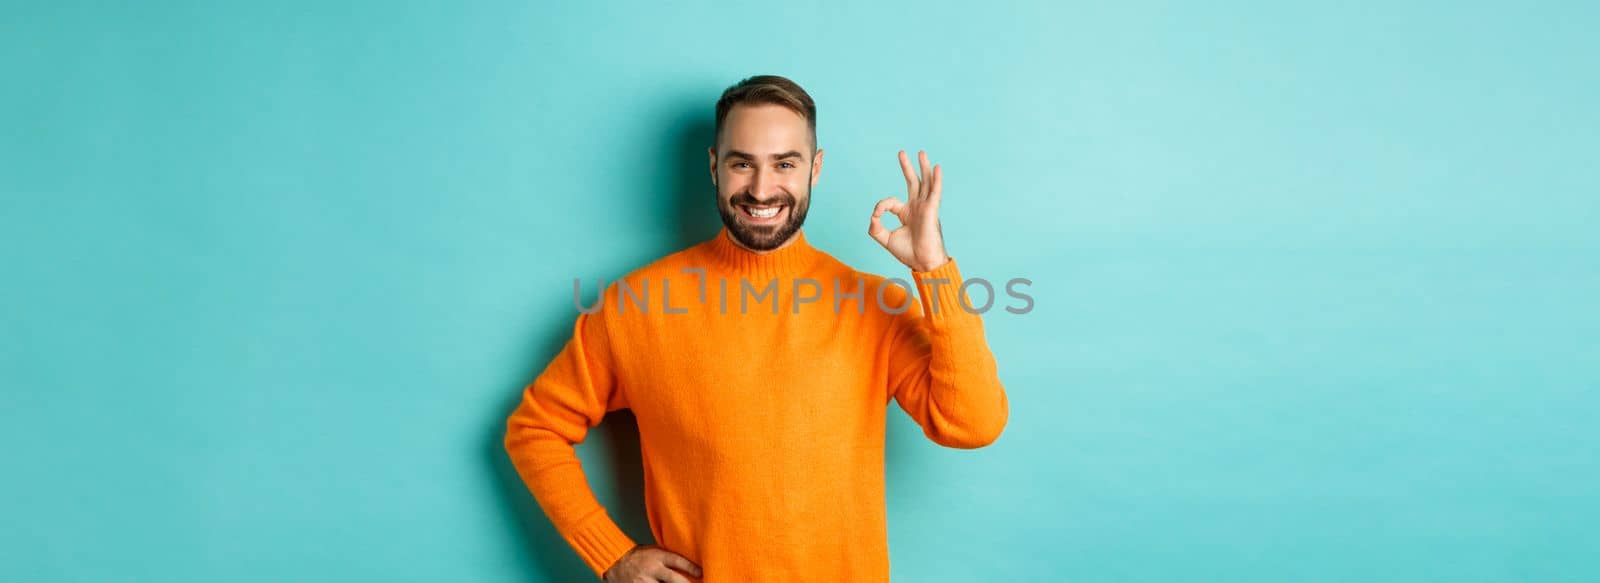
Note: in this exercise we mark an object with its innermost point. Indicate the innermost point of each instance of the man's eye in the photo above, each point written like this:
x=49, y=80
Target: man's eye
x=740, y=164
x=786, y=164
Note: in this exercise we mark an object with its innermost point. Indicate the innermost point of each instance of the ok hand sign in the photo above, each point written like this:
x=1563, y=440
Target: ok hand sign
x=917, y=242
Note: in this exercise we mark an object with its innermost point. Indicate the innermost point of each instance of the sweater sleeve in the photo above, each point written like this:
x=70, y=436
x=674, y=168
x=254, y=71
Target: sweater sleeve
x=572, y=395
x=941, y=370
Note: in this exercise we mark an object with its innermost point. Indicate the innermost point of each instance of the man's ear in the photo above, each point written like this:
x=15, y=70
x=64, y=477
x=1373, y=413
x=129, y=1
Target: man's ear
x=816, y=168
x=712, y=153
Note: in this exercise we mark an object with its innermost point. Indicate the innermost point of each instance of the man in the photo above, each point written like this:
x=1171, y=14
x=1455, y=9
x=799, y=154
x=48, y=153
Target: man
x=760, y=373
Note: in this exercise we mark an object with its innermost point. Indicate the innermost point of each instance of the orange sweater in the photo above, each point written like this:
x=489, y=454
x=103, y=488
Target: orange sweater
x=762, y=433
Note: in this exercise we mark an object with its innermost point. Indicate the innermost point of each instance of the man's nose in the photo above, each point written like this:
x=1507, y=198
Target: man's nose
x=761, y=186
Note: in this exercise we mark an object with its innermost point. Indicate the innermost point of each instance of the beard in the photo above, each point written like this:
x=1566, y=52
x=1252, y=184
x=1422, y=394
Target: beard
x=764, y=237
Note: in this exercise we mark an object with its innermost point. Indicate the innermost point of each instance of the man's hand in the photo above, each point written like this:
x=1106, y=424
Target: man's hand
x=917, y=242
x=651, y=564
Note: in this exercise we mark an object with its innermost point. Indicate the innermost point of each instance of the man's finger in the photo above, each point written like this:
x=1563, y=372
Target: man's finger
x=937, y=186
x=681, y=563
x=912, y=184
x=669, y=575
x=927, y=172
x=875, y=229
x=891, y=205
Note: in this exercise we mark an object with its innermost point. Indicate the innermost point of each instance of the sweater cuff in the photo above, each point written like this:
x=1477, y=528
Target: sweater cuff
x=600, y=543
x=939, y=291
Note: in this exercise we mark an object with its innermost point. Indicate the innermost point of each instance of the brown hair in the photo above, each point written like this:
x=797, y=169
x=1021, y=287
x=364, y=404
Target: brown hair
x=768, y=89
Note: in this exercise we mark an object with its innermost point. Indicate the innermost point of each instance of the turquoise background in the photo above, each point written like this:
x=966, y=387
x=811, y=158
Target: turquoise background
x=1315, y=284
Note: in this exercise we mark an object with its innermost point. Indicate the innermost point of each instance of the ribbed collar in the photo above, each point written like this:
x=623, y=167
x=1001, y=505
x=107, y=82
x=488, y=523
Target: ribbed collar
x=787, y=261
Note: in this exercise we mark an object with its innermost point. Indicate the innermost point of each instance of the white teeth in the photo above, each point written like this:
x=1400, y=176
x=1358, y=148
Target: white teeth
x=765, y=213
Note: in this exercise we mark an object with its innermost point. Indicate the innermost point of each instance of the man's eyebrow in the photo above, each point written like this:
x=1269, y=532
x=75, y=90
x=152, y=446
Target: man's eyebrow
x=748, y=156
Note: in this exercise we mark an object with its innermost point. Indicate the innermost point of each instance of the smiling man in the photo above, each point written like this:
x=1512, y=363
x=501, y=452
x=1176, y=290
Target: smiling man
x=762, y=430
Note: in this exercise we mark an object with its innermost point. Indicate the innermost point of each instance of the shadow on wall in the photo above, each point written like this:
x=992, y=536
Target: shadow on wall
x=688, y=197
x=686, y=203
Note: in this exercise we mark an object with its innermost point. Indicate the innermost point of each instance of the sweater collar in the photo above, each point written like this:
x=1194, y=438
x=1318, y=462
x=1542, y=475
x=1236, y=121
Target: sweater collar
x=789, y=260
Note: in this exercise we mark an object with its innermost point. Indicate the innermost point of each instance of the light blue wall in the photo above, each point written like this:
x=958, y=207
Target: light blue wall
x=1315, y=285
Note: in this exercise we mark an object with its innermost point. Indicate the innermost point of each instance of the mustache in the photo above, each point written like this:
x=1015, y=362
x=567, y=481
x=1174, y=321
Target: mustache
x=745, y=198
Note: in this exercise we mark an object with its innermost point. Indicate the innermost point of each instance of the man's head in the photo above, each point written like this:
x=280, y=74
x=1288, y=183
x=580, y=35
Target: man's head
x=765, y=160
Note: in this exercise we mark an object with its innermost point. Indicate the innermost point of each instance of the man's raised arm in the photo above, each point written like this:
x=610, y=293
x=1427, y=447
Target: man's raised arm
x=940, y=367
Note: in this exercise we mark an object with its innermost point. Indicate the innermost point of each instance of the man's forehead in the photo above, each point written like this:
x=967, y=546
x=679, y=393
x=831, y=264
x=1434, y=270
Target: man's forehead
x=765, y=131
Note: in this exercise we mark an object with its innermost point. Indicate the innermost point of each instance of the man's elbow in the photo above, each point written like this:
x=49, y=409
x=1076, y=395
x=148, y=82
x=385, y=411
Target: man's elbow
x=521, y=435
x=979, y=427
x=514, y=439
x=970, y=436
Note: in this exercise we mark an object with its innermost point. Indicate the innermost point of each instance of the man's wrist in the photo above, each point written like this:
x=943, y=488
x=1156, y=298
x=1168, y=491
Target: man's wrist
x=930, y=266
x=606, y=576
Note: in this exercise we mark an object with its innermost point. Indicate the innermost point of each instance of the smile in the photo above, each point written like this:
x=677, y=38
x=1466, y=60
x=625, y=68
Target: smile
x=762, y=213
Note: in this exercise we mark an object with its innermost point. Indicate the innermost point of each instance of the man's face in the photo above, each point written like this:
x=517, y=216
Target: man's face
x=764, y=169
